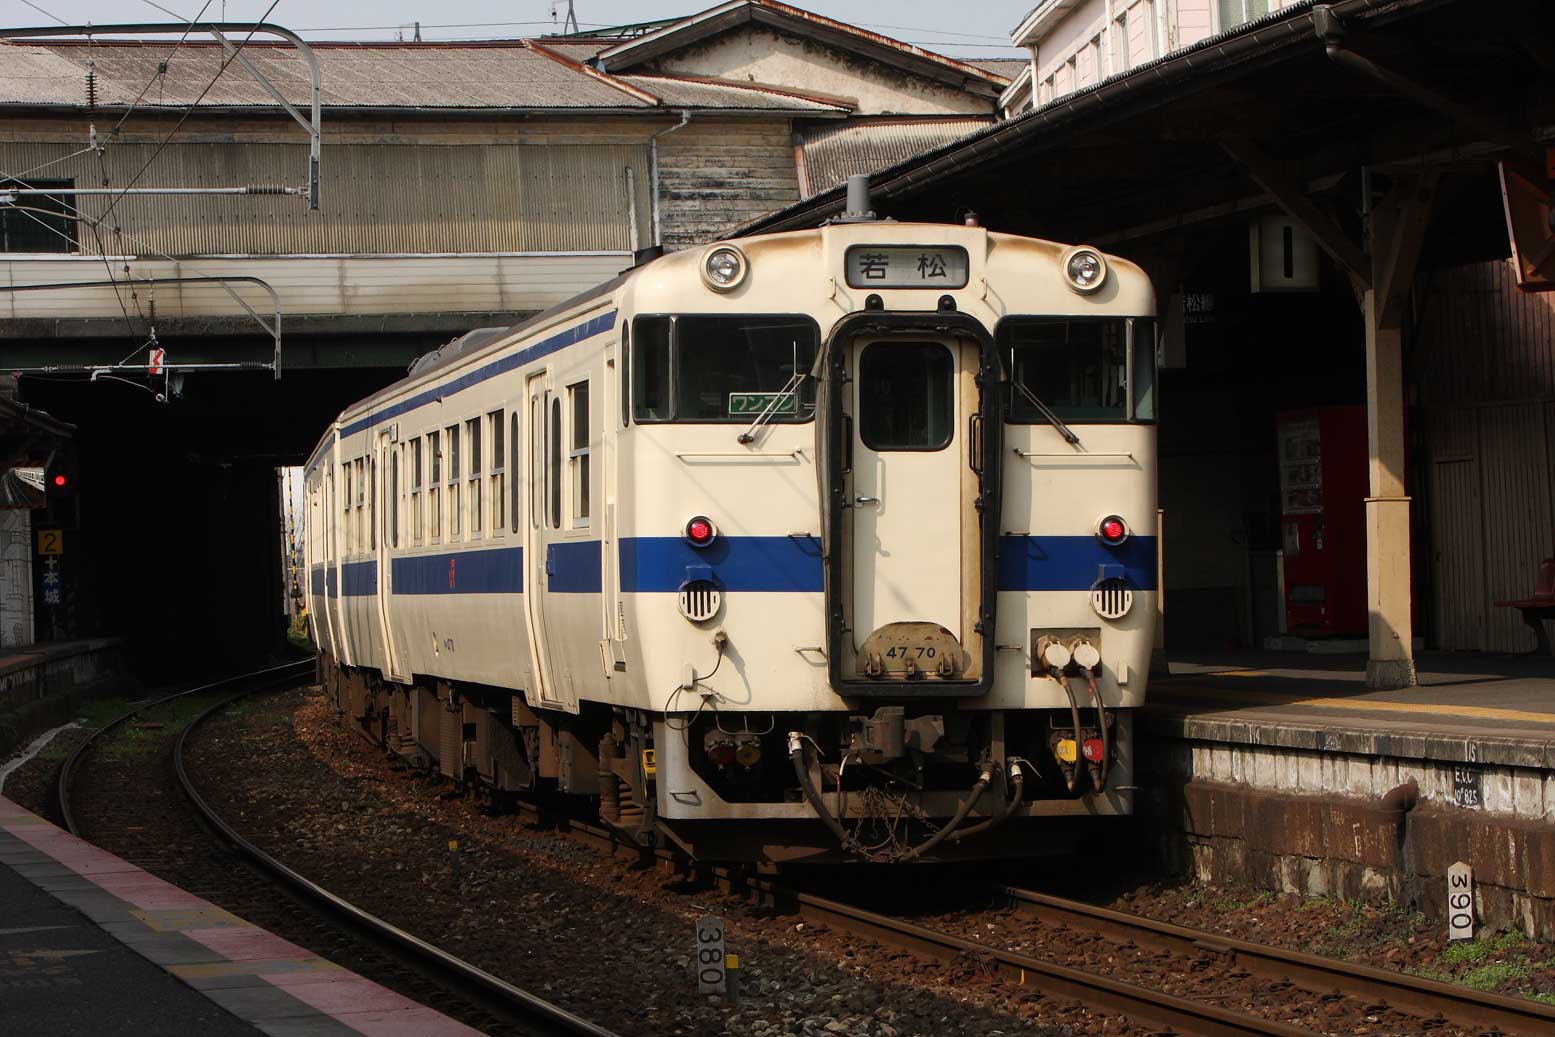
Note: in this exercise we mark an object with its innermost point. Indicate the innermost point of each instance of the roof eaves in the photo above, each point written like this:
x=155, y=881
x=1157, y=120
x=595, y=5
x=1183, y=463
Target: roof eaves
x=594, y=73
x=842, y=103
x=1018, y=84
x=771, y=12
x=1267, y=33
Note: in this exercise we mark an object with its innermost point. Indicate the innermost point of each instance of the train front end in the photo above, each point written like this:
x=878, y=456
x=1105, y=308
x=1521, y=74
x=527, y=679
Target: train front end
x=922, y=460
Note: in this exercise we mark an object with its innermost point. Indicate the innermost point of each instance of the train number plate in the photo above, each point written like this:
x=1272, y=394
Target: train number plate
x=909, y=651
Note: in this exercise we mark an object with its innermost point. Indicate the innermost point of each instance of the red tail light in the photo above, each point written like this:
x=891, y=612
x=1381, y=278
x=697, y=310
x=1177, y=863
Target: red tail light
x=1112, y=530
x=700, y=531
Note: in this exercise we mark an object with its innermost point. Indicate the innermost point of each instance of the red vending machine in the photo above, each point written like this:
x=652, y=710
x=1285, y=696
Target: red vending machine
x=1323, y=486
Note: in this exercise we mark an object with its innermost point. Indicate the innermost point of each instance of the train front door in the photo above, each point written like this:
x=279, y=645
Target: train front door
x=388, y=520
x=911, y=399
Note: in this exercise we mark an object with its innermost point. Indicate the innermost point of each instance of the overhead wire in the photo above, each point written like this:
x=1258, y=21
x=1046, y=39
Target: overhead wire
x=226, y=61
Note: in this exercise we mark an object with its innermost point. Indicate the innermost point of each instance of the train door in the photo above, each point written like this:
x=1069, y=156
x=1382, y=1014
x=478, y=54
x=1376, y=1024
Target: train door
x=340, y=514
x=322, y=515
x=387, y=518
x=908, y=423
x=544, y=474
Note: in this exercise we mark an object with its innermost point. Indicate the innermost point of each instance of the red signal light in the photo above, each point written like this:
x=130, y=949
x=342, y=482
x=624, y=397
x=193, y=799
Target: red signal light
x=60, y=480
x=700, y=531
x=1112, y=530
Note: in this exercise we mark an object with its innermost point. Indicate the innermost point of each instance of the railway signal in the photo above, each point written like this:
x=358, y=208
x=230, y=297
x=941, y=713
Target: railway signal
x=59, y=476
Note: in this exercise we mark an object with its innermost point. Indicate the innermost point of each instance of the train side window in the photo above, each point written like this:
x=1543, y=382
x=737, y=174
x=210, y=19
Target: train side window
x=452, y=434
x=372, y=503
x=472, y=435
x=578, y=452
x=513, y=509
x=345, y=506
x=417, y=527
x=1141, y=371
x=499, y=472
x=554, y=469
x=394, y=499
x=360, y=536
x=434, y=481
x=626, y=376
x=536, y=462
x=650, y=369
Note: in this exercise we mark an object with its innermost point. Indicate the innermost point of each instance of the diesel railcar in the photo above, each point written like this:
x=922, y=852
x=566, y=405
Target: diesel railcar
x=830, y=544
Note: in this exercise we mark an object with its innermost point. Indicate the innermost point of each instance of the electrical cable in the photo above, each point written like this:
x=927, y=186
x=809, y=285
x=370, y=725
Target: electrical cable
x=226, y=61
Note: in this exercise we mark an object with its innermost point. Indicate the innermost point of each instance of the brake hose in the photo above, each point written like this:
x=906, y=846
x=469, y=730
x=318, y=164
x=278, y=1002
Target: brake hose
x=1101, y=721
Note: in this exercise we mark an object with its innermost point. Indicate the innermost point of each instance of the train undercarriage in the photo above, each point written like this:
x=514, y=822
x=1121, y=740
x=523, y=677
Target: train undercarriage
x=885, y=783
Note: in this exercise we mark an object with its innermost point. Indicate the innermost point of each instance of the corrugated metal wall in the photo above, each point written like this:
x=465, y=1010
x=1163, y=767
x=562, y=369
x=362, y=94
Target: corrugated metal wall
x=1485, y=367
x=377, y=198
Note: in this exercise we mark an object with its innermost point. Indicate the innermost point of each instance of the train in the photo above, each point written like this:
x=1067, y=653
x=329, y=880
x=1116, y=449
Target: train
x=836, y=544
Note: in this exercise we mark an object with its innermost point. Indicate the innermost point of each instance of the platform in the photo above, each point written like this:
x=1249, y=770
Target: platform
x=1466, y=708
x=1284, y=771
x=90, y=943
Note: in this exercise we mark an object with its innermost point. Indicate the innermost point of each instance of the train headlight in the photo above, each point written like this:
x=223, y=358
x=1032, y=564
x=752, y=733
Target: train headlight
x=1085, y=270
x=724, y=268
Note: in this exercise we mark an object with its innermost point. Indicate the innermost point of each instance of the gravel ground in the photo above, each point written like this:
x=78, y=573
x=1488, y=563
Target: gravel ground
x=601, y=937
x=1383, y=936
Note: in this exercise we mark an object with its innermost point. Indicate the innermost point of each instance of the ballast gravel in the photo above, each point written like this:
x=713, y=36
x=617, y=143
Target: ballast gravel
x=608, y=940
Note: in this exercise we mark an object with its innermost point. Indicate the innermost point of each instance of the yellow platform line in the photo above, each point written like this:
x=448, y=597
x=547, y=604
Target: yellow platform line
x=1373, y=705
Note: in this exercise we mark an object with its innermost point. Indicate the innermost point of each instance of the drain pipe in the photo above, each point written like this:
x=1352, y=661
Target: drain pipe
x=653, y=168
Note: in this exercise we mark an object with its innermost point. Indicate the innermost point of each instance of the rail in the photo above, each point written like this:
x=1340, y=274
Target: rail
x=537, y=1016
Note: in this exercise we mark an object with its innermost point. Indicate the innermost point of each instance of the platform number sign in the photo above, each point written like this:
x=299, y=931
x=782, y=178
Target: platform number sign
x=1460, y=902
x=711, y=977
x=51, y=542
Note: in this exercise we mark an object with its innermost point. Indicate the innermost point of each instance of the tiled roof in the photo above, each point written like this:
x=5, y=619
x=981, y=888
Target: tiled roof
x=505, y=75
x=833, y=153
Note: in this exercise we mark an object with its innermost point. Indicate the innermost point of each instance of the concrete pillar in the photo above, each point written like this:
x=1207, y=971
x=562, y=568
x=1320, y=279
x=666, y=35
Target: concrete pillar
x=1391, y=632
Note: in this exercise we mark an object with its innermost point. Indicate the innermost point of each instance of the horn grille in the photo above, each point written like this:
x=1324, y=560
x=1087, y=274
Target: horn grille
x=700, y=600
x=1112, y=598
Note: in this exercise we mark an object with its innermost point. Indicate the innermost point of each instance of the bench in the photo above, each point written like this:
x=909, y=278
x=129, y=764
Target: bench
x=1540, y=607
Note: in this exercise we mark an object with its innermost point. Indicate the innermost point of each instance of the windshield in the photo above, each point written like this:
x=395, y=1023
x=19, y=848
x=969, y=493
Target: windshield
x=729, y=370
x=1080, y=367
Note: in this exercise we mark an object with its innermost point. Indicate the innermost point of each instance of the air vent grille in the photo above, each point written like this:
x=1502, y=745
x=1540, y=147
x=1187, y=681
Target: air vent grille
x=700, y=600
x=1112, y=598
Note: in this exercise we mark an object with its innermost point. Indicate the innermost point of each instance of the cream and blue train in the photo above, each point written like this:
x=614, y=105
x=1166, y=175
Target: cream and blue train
x=836, y=543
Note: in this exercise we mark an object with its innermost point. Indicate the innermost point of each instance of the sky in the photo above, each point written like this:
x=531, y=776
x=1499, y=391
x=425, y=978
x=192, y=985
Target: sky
x=959, y=29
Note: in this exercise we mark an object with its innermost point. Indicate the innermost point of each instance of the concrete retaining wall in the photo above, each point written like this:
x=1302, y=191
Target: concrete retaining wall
x=1307, y=816
x=46, y=684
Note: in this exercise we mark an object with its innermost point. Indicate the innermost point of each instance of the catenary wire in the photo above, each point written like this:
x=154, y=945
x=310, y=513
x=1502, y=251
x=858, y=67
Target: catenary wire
x=227, y=60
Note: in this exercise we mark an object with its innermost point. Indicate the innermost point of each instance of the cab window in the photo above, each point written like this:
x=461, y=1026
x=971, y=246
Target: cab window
x=1086, y=369
x=732, y=370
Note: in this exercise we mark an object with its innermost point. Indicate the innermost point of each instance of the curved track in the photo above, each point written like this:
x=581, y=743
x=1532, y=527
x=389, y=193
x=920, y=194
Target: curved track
x=517, y=1010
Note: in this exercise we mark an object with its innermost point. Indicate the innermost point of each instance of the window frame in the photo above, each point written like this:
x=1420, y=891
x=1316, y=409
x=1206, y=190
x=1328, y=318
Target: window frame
x=452, y=434
x=496, y=471
x=37, y=221
x=474, y=497
x=578, y=465
x=674, y=366
x=417, y=526
x=1131, y=403
x=952, y=383
x=434, y=485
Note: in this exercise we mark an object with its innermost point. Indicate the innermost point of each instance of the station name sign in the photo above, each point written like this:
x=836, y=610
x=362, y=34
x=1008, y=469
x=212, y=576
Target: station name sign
x=906, y=266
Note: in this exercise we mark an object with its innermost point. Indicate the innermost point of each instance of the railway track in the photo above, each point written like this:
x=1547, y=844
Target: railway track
x=263, y=890
x=1431, y=1002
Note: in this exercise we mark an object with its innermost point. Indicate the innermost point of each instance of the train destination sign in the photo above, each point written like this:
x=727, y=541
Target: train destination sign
x=906, y=266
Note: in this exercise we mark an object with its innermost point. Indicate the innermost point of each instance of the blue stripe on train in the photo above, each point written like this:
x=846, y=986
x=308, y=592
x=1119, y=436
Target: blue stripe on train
x=441, y=391
x=780, y=564
x=492, y=571
x=1058, y=563
x=761, y=564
